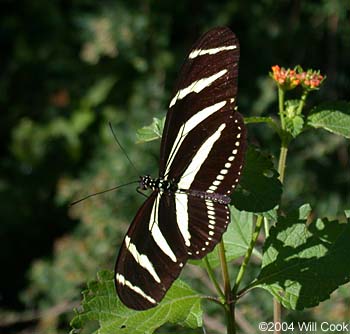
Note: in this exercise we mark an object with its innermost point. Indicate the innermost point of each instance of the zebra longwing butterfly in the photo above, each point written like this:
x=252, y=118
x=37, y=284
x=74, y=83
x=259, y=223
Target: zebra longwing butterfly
x=201, y=157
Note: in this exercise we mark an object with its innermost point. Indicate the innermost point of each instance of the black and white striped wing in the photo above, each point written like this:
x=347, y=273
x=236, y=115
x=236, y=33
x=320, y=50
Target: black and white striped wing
x=211, y=174
x=152, y=254
x=204, y=222
x=205, y=91
x=202, y=151
x=204, y=139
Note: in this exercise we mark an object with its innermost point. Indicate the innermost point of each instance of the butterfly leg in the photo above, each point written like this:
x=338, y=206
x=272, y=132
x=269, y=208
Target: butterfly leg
x=140, y=192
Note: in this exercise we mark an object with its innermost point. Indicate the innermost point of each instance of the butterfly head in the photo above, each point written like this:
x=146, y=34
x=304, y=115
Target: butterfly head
x=145, y=182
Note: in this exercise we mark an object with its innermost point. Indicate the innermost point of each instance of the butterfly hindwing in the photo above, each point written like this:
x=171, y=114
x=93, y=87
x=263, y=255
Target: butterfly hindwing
x=221, y=171
x=210, y=157
x=207, y=221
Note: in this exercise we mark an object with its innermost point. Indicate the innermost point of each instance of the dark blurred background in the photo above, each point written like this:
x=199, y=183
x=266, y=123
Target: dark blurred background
x=69, y=67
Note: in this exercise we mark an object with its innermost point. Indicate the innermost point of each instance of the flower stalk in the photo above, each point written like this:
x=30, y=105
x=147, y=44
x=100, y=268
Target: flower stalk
x=288, y=79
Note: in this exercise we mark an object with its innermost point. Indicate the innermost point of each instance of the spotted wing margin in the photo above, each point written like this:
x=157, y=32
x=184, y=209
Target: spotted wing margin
x=221, y=171
x=208, y=77
x=152, y=254
x=207, y=221
x=210, y=157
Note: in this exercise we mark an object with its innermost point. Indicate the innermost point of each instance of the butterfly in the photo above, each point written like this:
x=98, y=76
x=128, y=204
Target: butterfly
x=201, y=158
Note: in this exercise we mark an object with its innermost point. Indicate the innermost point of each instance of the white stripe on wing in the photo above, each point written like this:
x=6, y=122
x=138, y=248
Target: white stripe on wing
x=121, y=280
x=200, y=52
x=196, y=86
x=141, y=259
x=157, y=235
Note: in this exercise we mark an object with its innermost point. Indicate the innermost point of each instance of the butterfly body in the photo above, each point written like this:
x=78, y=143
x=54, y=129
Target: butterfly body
x=157, y=184
x=163, y=185
x=201, y=158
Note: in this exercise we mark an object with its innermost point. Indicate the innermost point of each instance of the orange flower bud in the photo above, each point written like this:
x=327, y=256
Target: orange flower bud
x=288, y=79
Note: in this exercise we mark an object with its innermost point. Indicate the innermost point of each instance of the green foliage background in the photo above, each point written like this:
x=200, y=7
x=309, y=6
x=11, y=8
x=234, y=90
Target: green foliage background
x=67, y=68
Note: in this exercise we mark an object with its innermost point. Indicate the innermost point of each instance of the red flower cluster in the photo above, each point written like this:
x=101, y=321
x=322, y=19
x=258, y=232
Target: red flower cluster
x=288, y=79
x=291, y=78
x=311, y=79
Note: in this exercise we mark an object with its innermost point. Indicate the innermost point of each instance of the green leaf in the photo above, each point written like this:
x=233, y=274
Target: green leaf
x=100, y=303
x=99, y=91
x=291, y=108
x=259, y=188
x=294, y=122
x=294, y=125
x=81, y=119
x=303, y=264
x=304, y=211
x=236, y=238
x=271, y=214
x=151, y=132
x=333, y=117
x=40, y=136
x=268, y=120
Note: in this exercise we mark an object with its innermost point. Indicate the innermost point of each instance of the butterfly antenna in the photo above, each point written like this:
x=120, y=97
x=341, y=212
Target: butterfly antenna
x=102, y=192
x=122, y=148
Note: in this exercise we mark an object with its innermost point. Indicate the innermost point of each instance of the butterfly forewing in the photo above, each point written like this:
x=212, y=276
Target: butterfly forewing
x=202, y=151
x=207, y=83
x=152, y=254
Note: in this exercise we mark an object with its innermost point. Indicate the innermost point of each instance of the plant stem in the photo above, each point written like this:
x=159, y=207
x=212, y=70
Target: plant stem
x=277, y=310
x=242, y=269
x=266, y=227
x=213, y=278
x=230, y=318
x=277, y=318
x=282, y=161
x=229, y=304
x=302, y=102
x=281, y=106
